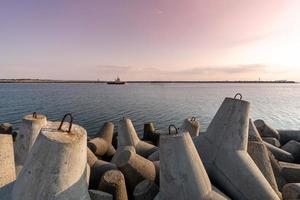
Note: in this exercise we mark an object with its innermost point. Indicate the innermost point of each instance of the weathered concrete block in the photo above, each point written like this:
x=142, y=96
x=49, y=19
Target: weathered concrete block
x=290, y=172
x=7, y=161
x=291, y=191
x=57, y=163
x=223, y=149
x=191, y=125
x=28, y=132
x=272, y=141
x=113, y=182
x=277, y=172
x=265, y=130
x=127, y=136
x=134, y=167
x=99, y=195
x=150, y=133
x=188, y=180
x=293, y=147
x=287, y=135
x=154, y=156
x=101, y=143
x=145, y=190
x=280, y=154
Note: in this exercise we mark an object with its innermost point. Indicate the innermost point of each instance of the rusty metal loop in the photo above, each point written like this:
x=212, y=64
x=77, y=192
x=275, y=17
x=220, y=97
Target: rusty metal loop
x=63, y=120
x=34, y=115
x=193, y=119
x=173, y=126
x=238, y=94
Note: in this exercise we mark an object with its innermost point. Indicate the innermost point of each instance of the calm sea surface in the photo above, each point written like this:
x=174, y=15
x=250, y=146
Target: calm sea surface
x=164, y=104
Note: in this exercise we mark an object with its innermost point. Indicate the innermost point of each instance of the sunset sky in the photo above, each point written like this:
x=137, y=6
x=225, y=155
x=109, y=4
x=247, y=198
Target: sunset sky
x=150, y=39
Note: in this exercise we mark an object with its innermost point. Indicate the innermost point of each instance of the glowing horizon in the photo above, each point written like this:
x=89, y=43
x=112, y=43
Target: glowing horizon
x=150, y=40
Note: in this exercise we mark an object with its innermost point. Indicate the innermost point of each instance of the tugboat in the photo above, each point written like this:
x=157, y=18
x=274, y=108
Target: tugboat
x=117, y=81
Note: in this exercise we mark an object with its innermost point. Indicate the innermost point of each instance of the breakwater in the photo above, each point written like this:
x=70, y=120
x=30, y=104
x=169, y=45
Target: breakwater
x=235, y=158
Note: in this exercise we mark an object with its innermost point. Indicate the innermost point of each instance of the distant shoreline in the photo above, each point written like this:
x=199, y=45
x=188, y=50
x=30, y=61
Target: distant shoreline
x=89, y=81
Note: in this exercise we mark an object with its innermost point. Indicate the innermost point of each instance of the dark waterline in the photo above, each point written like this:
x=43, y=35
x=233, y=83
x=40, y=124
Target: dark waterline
x=92, y=104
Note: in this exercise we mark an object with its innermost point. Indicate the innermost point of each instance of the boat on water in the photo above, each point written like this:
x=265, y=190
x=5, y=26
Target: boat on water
x=117, y=81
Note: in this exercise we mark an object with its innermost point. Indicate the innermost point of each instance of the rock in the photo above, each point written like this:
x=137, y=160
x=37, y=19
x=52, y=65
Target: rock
x=99, y=195
x=265, y=130
x=291, y=191
x=272, y=141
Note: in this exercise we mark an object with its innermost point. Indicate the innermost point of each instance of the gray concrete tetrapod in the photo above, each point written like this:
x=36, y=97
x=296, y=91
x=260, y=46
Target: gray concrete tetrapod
x=101, y=143
x=290, y=172
x=260, y=155
x=127, y=136
x=7, y=161
x=28, y=132
x=99, y=195
x=134, y=167
x=145, y=190
x=280, y=154
x=55, y=167
x=223, y=149
x=291, y=191
x=272, y=141
x=287, y=135
x=191, y=125
x=182, y=174
x=293, y=147
x=98, y=168
x=150, y=133
x=113, y=182
x=266, y=130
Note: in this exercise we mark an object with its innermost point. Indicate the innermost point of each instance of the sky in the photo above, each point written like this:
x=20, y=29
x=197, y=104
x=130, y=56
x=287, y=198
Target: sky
x=150, y=39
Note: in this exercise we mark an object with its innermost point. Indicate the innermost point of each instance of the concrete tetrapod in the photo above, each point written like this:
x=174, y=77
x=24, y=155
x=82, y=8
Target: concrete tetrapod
x=134, y=167
x=98, y=168
x=127, y=136
x=223, y=149
x=272, y=141
x=7, y=161
x=150, y=133
x=191, y=125
x=101, y=143
x=293, y=147
x=113, y=182
x=28, y=132
x=291, y=191
x=280, y=154
x=145, y=190
x=260, y=155
x=55, y=167
x=287, y=135
x=265, y=130
x=182, y=174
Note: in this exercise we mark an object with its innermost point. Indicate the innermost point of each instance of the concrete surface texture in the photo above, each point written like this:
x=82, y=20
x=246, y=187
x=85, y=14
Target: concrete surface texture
x=290, y=172
x=145, y=190
x=28, y=132
x=223, y=149
x=134, y=167
x=293, y=147
x=287, y=135
x=265, y=130
x=127, y=136
x=113, y=182
x=55, y=167
x=280, y=154
x=291, y=191
x=99, y=195
x=191, y=125
x=182, y=174
x=7, y=161
x=272, y=141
